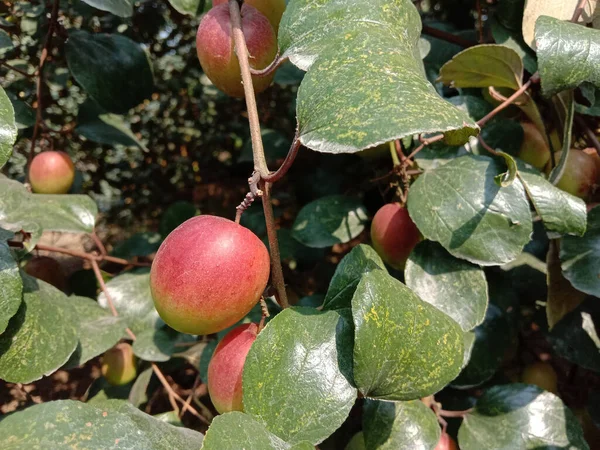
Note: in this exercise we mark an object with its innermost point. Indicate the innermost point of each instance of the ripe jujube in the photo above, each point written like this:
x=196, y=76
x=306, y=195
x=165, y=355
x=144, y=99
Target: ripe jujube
x=215, y=46
x=394, y=234
x=51, y=172
x=226, y=367
x=271, y=9
x=208, y=274
x=446, y=443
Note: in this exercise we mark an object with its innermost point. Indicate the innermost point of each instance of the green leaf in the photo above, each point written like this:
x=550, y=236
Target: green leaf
x=107, y=424
x=24, y=114
x=564, y=105
x=275, y=144
x=404, y=347
x=41, y=337
x=113, y=69
x=483, y=66
x=159, y=345
x=568, y=54
x=139, y=244
x=138, y=394
x=580, y=257
x=490, y=345
x=365, y=83
x=8, y=127
x=189, y=7
x=104, y=128
x=456, y=287
x=362, y=259
x=236, y=430
x=398, y=425
x=11, y=285
x=121, y=8
x=519, y=416
x=560, y=211
x=99, y=330
x=297, y=375
x=514, y=40
x=33, y=213
x=330, y=220
x=175, y=215
x=460, y=206
x=130, y=294
x=575, y=337
x=5, y=41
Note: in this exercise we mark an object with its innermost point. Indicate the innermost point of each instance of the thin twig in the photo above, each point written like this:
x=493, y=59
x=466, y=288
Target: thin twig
x=78, y=254
x=278, y=61
x=188, y=400
x=19, y=71
x=46, y=51
x=260, y=163
x=508, y=101
x=170, y=391
x=287, y=163
x=458, y=414
x=276, y=269
x=448, y=37
x=99, y=244
x=579, y=10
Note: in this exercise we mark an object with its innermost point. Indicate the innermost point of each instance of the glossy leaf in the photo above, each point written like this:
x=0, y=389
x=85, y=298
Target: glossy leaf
x=330, y=220
x=580, y=257
x=130, y=293
x=175, y=215
x=568, y=54
x=104, y=128
x=106, y=424
x=33, y=213
x=483, y=66
x=138, y=245
x=520, y=416
x=159, y=345
x=41, y=337
x=113, y=69
x=8, y=127
x=575, y=337
x=99, y=330
x=362, y=259
x=236, y=430
x=492, y=338
x=560, y=211
x=138, y=394
x=189, y=7
x=514, y=40
x=121, y=8
x=460, y=206
x=5, y=41
x=456, y=287
x=297, y=375
x=358, y=57
x=398, y=425
x=404, y=347
x=11, y=286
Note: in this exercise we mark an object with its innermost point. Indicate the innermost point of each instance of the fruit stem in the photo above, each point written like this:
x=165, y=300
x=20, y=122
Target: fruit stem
x=270, y=68
x=276, y=270
x=287, y=163
x=260, y=163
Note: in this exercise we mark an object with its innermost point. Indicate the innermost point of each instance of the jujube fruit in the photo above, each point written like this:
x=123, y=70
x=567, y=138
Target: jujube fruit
x=580, y=174
x=47, y=269
x=215, y=46
x=542, y=375
x=271, y=9
x=534, y=148
x=446, y=443
x=226, y=367
x=51, y=172
x=394, y=234
x=208, y=274
x=118, y=364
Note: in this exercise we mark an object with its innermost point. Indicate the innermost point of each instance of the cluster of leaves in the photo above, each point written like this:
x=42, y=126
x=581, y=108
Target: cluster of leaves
x=446, y=326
